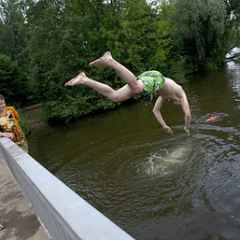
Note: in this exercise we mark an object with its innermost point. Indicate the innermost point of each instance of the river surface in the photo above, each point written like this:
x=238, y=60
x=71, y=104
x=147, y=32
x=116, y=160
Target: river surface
x=156, y=186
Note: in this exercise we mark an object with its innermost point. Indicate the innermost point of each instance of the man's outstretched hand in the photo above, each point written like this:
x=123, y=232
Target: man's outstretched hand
x=187, y=130
x=168, y=130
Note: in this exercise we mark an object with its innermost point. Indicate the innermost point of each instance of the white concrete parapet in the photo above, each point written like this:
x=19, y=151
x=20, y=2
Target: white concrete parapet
x=65, y=215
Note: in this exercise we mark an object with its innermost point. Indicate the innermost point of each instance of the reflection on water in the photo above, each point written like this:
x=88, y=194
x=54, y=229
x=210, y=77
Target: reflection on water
x=233, y=71
x=153, y=185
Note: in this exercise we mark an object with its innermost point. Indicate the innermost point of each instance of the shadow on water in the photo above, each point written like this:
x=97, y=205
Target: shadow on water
x=153, y=185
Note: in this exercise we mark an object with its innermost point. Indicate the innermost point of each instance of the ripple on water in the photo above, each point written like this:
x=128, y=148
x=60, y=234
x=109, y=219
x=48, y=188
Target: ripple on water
x=157, y=186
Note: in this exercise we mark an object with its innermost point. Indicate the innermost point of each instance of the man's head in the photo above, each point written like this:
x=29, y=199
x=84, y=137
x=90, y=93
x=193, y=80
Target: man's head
x=2, y=103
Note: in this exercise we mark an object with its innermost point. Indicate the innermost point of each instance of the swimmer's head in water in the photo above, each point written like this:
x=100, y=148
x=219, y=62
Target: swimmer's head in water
x=212, y=118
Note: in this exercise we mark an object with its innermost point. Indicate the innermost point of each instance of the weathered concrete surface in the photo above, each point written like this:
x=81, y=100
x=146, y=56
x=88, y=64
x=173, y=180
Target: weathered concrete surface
x=16, y=214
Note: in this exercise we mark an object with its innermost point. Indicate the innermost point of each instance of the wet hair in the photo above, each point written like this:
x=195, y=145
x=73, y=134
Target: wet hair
x=2, y=98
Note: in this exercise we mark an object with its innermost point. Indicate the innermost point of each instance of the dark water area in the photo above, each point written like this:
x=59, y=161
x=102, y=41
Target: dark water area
x=156, y=186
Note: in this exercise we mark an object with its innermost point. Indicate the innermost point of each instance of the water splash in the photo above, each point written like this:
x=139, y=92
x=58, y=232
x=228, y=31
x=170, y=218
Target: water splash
x=166, y=161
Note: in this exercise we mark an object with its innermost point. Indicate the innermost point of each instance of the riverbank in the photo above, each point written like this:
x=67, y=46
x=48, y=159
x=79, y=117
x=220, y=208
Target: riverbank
x=16, y=215
x=33, y=117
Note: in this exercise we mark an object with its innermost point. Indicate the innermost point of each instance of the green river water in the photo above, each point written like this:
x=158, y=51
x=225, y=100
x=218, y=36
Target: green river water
x=156, y=186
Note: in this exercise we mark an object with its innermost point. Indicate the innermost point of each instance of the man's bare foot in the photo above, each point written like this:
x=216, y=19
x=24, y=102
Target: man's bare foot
x=79, y=79
x=102, y=61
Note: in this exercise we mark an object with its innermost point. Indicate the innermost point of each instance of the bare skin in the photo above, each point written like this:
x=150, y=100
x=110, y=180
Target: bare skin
x=171, y=91
x=132, y=87
x=79, y=79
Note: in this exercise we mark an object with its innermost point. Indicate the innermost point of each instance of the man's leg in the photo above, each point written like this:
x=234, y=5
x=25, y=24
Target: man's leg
x=119, y=95
x=125, y=74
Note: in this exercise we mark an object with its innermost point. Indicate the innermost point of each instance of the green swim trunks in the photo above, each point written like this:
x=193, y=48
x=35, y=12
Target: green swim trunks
x=152, y=81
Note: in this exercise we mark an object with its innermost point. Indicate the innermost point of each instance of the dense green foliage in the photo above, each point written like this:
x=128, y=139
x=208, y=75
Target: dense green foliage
x=13, y=84
x=201, y=29
x=44, y=43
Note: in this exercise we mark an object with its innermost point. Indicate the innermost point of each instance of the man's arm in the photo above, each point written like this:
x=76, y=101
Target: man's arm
x=158, y=115
x=186, y=110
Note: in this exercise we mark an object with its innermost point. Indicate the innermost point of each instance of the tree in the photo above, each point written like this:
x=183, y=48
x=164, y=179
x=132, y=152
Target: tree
x=13, y=30
x=136, y=35
x=233, y=23
x=13, y=85
x=200, y=28
x=166, y=53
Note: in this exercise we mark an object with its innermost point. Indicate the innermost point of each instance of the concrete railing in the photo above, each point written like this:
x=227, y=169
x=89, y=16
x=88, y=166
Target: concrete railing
x=65, y=215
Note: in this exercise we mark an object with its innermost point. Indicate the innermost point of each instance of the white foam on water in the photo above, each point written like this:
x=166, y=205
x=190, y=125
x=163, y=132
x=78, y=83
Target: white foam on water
x=166, y=160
